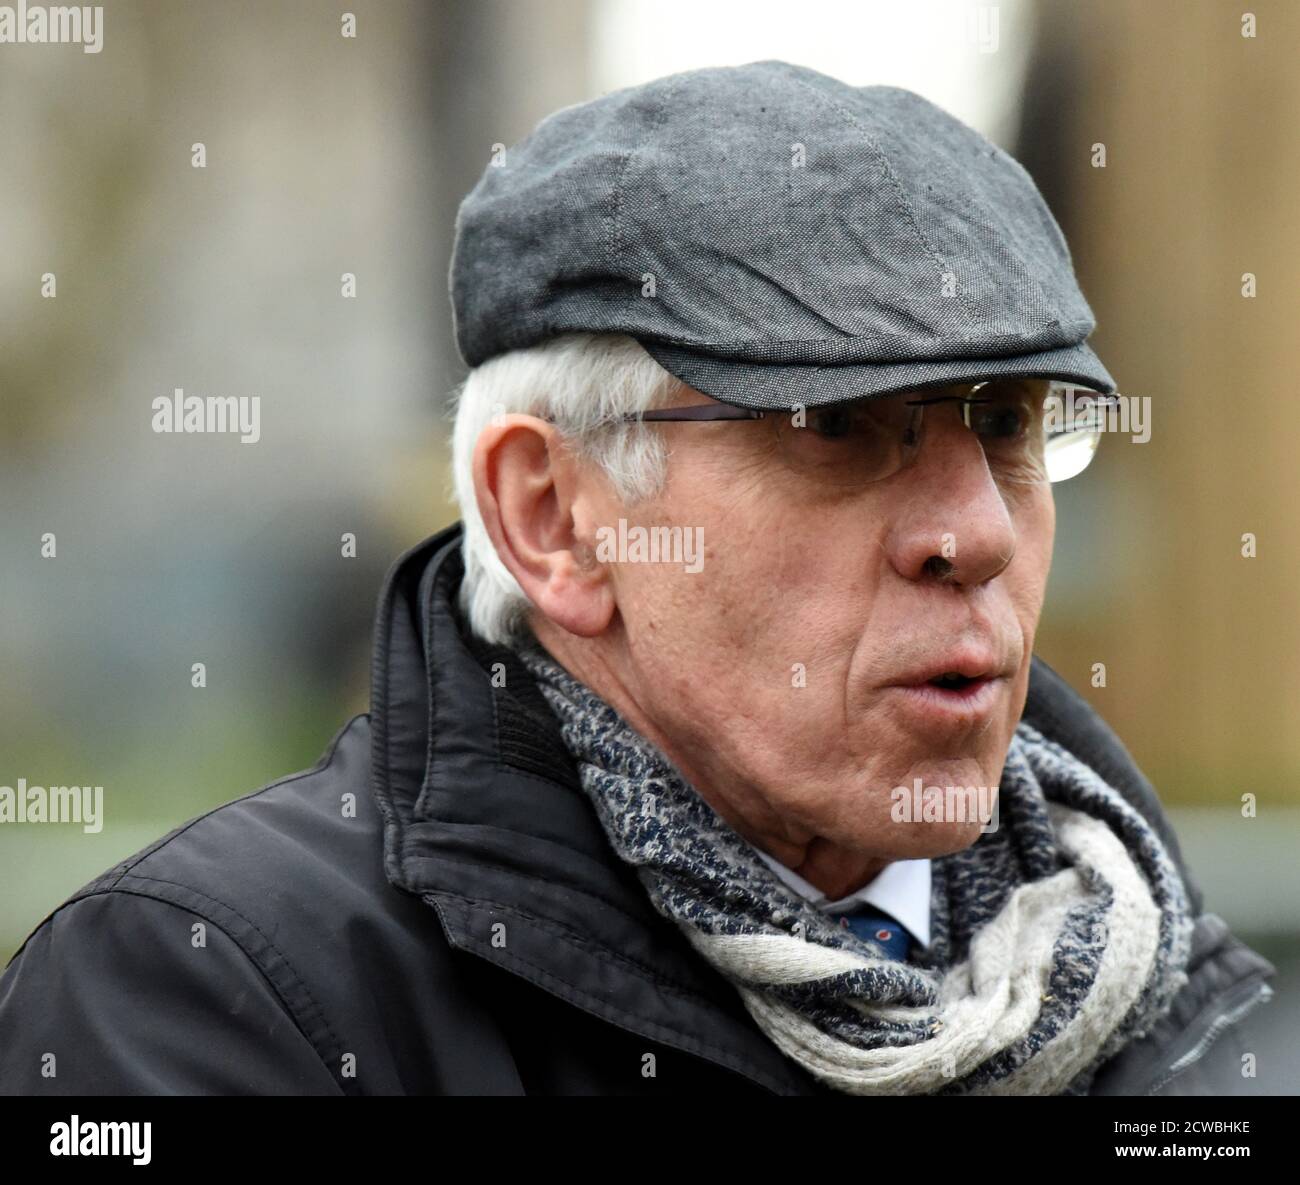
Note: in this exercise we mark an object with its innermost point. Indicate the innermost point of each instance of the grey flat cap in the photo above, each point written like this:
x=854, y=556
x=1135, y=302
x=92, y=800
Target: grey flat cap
x=773, y=237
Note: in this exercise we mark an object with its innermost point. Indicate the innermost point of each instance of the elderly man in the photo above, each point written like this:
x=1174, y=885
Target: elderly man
x=709, y=752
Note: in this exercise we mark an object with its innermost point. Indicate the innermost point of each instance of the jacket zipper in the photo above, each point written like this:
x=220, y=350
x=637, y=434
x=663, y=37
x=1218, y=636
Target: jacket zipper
x=1261, y=992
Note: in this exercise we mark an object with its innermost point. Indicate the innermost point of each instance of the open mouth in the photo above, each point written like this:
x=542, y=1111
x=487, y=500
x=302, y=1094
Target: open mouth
x=959, y=697
x=953, y=681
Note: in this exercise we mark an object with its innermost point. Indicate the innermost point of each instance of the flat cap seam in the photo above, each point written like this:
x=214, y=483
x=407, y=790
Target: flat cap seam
x=615, y=263
x=1048, y=302
x=900, y=197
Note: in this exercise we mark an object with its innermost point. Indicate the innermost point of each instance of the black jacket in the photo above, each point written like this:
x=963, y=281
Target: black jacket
x=434, y=908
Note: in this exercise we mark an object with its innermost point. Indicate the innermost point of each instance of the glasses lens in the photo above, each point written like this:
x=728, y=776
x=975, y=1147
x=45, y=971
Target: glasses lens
x=843, y=445
x=1032, y=431
x=1037, y=430
x=1008, y=415
x=1073, y=422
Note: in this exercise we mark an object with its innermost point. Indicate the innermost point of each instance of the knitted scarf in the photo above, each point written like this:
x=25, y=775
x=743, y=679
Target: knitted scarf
x=1056, y=939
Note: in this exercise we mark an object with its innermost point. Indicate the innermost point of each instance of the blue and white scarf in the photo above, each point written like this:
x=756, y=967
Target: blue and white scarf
x=1056, y=939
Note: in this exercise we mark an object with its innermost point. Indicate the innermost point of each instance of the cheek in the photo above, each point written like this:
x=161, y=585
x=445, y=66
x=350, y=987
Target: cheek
x=762, y=601
x=1042, y=528
x=685, y=609
x=786, y=585
x=1035, y=523
x=1033, y=518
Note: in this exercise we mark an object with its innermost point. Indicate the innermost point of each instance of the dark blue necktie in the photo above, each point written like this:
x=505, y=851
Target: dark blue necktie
x=873, y=925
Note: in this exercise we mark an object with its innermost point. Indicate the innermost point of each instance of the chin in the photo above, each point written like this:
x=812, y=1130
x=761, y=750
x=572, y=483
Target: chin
x=941, y=839
x=956, y=769
x=938, y=807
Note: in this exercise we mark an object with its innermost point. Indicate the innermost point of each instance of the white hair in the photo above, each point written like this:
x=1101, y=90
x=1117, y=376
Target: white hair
x=585, y=383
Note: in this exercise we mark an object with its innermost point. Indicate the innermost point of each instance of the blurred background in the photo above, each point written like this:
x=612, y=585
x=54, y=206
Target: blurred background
x=329, y=155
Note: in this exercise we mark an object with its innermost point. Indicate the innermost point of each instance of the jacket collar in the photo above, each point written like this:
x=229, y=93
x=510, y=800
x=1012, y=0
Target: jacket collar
x=485, y=820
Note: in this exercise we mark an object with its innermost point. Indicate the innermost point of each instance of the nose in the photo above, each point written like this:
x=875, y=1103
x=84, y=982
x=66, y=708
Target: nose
x=952, y=524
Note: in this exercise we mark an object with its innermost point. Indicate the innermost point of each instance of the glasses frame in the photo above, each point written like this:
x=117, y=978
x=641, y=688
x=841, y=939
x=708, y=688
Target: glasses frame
x=706, y=412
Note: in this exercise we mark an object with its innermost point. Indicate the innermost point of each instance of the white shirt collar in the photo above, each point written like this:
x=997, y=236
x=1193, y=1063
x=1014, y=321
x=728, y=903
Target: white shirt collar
x=902, y=890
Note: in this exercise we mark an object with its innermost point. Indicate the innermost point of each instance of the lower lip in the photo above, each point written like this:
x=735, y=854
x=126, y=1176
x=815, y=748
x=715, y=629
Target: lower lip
x=969, y=704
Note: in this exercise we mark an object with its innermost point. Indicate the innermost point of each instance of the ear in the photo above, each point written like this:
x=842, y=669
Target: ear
x=535, y=498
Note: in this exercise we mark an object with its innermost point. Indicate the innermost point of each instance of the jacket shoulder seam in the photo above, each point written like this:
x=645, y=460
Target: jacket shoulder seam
x=284, y=984
x=111, y=878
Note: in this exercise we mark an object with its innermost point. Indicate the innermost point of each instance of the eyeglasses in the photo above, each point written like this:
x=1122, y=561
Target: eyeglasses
x=1033, y=431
